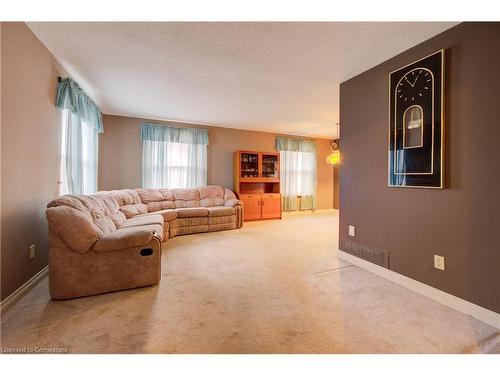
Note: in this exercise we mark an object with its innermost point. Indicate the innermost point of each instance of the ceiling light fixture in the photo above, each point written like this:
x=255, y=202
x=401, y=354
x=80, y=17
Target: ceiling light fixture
x=334, y=157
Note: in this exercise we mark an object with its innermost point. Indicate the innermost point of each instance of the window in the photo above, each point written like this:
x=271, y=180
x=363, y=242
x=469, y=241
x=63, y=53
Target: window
x=173, y=157
x=298, y=175
x=79, y=152
x=80, y=127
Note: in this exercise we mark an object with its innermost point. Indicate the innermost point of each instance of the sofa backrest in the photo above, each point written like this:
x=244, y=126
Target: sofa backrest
x=107, y=210
x=129, y=202
x=80, y=220
x=229, y=195
x=162, y=199
x=156, y=199
x=186, y=198
x=125, y=197
x=211, y=196
x=101, y=208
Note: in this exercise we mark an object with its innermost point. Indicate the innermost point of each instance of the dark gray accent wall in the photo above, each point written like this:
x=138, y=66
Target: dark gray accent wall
x=461, y=222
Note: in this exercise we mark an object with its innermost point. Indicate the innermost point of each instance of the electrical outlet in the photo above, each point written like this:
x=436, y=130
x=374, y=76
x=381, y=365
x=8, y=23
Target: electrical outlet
x=439, y=262
x=352, y=230
x=32, y=251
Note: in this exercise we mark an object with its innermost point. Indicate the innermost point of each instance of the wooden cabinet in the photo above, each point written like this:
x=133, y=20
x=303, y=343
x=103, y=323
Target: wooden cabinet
x=257, y=184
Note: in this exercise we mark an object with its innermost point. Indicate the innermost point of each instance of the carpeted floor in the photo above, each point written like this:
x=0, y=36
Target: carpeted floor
x=270, y=287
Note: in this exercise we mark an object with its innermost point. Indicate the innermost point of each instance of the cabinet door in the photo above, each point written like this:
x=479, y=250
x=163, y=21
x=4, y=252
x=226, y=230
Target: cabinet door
x=251, y=206
x=249, y=165
x=271, y=206
x=270, y=163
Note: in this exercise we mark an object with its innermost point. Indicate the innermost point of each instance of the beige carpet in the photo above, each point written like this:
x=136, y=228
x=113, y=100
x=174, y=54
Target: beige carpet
x=270, y=287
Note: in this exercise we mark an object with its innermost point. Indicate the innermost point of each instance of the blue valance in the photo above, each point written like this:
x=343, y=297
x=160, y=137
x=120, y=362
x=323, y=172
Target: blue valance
x=294, y=144
x=164, y=133
x=71, y=96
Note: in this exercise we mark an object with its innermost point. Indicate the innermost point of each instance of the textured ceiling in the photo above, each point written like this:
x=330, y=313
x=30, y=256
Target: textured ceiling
x=278, y=77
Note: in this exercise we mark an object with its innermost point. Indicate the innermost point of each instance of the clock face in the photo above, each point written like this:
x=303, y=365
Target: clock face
x=415, y=85
x=416, y=123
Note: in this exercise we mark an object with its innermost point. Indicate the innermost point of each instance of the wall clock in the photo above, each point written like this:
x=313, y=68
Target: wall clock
x=416, y=124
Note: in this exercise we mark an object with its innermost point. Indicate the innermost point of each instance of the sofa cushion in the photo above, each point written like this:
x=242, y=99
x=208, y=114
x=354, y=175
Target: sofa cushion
x=156, y=199
x=105, y=224
x=168, y=215
x=124, y=238
x=185, y=198
x=131, y=210
x=158, y=206
x=143, y=220
x=104, y=209
x=211, y=202
x=211, y=196
x=75, y=227
x=125, y=197
x=192, y=212
x=221, y=211
x=154, y=195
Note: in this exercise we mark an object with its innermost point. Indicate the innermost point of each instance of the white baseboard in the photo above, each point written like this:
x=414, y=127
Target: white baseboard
x=23, y=290
x=489, y=317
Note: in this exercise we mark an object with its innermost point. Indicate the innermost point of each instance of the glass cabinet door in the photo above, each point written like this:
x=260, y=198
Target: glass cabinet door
x=249, y=164
x=269, y=166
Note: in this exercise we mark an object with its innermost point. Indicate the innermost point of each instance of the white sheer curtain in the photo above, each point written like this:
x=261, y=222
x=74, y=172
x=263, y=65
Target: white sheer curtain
x=173, y=165
x=173, y=157
x=298, y=177
x=298, y=172
x=81, y=123
x=79, y=153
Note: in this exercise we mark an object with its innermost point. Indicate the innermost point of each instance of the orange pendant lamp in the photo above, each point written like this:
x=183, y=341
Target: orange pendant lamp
x=334, y=157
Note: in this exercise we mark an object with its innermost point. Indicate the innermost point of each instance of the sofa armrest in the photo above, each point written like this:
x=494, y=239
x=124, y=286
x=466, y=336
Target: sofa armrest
x=232, y=202
x=124, y=238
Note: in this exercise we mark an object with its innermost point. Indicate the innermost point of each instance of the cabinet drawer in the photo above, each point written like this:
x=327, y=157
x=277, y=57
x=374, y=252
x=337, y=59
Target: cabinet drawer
x=250, y=196
x=271, y=195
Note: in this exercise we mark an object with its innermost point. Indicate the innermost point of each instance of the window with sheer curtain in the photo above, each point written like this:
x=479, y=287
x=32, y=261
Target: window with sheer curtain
x=298, y=173
x=81, y=124
x=79, y=150
x=173, y=157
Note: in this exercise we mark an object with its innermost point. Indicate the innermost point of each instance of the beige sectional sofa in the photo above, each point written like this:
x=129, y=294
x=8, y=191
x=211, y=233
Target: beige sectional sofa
x=111, y=240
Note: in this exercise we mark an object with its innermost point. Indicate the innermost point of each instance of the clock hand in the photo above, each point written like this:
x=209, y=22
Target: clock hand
x=408, y=82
